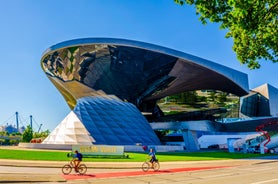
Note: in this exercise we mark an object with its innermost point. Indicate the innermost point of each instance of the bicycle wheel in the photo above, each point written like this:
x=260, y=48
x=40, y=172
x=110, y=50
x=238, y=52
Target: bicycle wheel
x=82, y=169
x=66, y=169
x=156, y=166
x=145, y=166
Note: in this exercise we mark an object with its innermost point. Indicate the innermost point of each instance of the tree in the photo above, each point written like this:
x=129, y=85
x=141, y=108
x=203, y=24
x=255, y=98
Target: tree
x=27, y=134
x=253, y=25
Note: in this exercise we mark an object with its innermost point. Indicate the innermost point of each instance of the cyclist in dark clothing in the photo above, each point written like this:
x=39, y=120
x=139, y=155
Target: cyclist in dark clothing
x=77, y=158
x=152, y=155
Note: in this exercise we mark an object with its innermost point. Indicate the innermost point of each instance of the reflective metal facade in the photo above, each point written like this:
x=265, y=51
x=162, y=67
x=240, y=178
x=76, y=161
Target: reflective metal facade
x=136, y=72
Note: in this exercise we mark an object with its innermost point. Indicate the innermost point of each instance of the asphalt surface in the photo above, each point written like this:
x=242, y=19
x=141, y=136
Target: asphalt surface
x=21, y=171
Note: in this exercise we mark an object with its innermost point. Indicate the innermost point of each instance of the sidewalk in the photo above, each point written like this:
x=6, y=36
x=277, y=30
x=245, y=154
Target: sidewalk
x=30, y=178
x=122, y=165
x=59, y=164
x=100, y=167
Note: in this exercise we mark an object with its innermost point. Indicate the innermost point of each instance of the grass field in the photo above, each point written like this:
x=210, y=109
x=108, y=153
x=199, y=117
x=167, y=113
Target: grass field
x=132, y=157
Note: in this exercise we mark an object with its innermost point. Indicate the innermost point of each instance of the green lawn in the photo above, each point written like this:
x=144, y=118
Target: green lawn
x=132, y=157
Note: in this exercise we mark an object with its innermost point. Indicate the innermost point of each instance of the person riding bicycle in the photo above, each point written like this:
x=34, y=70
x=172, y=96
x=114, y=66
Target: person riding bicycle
x=77, y=158
x=152, y=155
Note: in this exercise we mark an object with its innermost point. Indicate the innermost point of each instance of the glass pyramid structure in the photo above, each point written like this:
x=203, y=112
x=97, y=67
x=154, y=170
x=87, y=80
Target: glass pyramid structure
x=70, y=131
x=114, y=122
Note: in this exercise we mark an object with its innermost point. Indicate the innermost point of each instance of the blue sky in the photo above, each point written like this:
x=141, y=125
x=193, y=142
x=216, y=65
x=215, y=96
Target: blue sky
x=29, y=27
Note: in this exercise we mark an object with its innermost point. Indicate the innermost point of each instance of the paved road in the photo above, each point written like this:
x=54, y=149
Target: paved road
x=252, y=171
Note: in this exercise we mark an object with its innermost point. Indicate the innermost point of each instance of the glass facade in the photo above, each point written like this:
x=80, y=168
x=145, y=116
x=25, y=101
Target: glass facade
x=255, y=105
x=112, y=121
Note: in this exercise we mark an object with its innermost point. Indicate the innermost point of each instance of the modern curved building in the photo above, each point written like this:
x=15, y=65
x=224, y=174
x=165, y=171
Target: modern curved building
x=110, y=83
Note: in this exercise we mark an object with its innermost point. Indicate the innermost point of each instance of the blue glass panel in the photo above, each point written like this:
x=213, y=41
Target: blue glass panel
x=114, y=122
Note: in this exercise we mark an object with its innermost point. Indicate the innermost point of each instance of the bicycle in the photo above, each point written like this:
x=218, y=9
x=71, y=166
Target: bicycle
x=67, y=168
x=147, y=165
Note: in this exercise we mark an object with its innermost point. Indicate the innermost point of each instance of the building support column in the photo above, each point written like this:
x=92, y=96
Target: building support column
x=190, y=140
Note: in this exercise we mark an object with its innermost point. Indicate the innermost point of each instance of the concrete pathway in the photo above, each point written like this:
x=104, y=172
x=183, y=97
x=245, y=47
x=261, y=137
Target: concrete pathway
x=49, y=171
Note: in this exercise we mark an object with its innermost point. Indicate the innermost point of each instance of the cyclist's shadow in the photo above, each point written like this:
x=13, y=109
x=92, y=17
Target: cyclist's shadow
x=74, y=176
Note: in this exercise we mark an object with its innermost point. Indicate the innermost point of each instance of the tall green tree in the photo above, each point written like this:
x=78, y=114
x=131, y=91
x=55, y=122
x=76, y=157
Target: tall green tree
x=253, y=25
x=27, y=134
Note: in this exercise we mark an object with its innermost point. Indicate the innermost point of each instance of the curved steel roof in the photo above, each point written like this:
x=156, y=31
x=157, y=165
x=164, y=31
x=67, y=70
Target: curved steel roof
x=134, y=71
